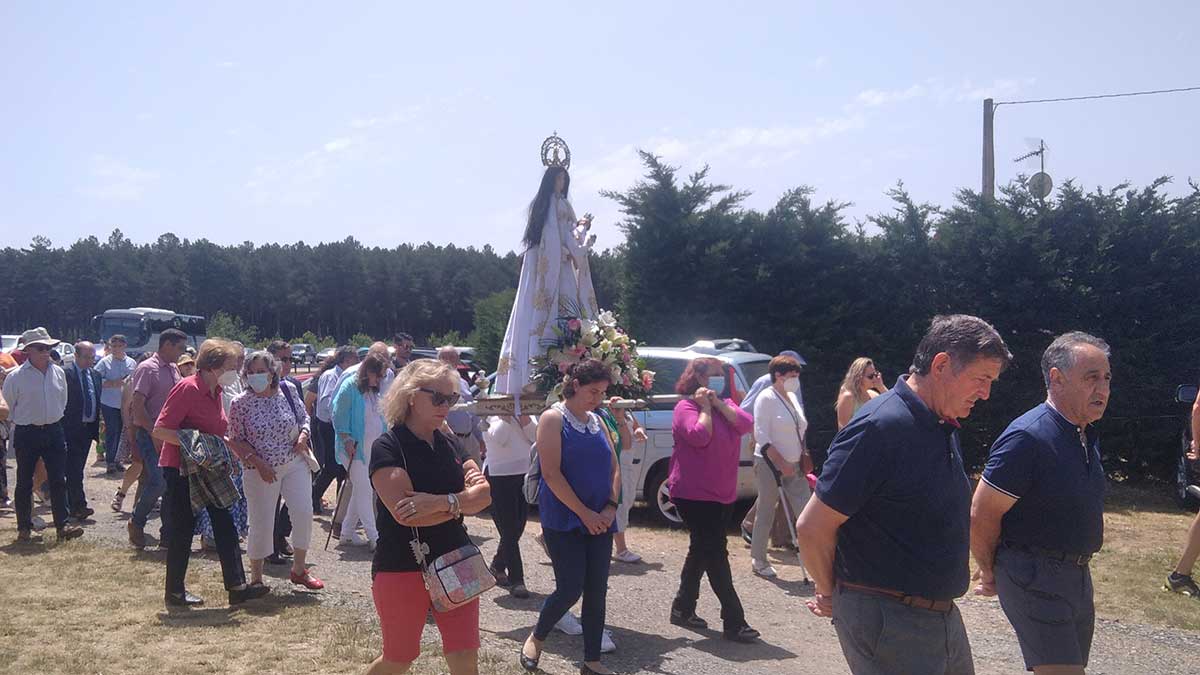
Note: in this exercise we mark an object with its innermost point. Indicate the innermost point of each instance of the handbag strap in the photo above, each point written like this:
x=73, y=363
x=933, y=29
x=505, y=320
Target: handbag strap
x=420, y=550
x=787, y=405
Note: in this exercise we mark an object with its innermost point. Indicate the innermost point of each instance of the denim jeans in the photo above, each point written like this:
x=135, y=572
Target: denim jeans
x=153, y=485
x=112, y=433
x=581, y=562
x=49, y=444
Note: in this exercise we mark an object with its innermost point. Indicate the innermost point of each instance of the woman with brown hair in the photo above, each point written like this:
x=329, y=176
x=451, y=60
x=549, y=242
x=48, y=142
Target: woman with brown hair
x=195, y=403
x=703, y=485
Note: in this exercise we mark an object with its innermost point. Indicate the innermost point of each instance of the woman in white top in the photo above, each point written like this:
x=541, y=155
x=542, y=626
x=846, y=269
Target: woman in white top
x=509, y=441
x=779, y=427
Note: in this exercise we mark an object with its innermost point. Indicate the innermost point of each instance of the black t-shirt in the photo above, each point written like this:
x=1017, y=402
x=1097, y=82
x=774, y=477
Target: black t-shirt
x=434, y=470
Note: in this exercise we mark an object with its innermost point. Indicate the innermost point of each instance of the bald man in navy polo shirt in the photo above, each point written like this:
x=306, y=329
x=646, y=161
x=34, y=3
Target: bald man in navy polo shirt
x=1038, y=513
x=886, y=537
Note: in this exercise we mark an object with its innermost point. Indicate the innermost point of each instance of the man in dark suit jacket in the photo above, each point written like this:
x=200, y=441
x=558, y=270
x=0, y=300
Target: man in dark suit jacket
x=81, y=423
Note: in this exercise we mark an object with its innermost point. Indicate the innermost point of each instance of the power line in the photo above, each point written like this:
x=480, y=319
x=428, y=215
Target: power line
x=1097, y=96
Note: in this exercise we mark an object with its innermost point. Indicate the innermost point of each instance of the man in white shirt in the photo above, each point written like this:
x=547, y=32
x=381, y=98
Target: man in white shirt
x=464, y=425
x=36, y=394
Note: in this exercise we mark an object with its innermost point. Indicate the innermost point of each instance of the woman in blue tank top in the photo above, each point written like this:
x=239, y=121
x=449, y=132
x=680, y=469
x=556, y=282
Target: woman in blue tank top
x=577, y=502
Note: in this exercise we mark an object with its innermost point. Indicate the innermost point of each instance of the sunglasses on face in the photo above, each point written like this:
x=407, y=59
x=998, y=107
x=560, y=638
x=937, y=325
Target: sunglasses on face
x=37, y=348
x=873, y=376
x=439, y=399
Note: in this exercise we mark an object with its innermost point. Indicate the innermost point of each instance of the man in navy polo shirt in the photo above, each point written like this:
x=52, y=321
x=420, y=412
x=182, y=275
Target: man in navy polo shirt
x=886, y=538
x=1038, y=513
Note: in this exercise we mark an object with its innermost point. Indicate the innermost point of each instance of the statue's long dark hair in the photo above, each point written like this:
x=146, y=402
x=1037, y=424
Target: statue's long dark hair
x=540, y=205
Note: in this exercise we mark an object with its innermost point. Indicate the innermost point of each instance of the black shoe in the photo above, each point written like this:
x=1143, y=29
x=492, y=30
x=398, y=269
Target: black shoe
x=747, y=535
x=530, y=665
x=27, y=537
x=519, y=591
x=276, y=559
x=1182, y=584
x=584, y=669
x=69, y=532
x=251, y=592
x=690, y=621
x=282, y=547
x=183, y=599
x=501, y=578
x=745, y=634
x=83, y=513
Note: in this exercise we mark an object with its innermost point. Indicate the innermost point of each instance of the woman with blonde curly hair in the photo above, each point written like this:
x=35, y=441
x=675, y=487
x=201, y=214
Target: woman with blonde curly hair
x=424, y=484
x=862, y=383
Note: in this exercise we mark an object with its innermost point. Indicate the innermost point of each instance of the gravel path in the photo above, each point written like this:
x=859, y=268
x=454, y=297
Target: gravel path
x=639, y=598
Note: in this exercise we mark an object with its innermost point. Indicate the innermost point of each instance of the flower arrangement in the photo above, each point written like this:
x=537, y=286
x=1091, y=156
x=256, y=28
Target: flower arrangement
x=577, y=339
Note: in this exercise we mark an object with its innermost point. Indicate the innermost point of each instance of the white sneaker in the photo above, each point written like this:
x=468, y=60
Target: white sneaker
x=764, y=570
x=355, y=539
x=569, y=625
x=627, y=556
x=607, y=646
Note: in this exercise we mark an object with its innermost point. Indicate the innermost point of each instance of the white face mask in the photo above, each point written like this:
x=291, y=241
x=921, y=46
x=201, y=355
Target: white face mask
x=227, y=378
x=259, y=382
x=791, y=385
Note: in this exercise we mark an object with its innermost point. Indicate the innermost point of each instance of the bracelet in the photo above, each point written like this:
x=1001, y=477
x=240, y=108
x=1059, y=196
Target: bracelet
x=455, y=507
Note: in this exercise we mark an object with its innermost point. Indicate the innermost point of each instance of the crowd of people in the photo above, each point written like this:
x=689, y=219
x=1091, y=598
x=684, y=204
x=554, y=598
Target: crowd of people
x=230, y=446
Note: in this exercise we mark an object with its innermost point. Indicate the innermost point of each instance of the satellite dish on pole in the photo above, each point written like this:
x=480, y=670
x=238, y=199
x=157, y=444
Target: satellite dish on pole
x=1040, y=185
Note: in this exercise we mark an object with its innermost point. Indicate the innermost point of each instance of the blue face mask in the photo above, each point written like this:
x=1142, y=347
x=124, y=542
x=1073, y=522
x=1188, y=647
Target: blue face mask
x=717, y=383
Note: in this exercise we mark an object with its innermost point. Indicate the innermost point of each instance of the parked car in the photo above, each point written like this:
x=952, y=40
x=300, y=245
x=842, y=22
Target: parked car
x=325, y=354
x=1187, y=472
x=303, y=354
x=8, y=342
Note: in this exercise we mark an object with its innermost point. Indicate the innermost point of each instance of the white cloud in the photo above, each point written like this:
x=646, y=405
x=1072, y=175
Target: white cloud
x=997, y=89
x=227, y=64
x=876, y=97
x=116, y=180
x=819, y=63
x=395, y=118
x=340, y=144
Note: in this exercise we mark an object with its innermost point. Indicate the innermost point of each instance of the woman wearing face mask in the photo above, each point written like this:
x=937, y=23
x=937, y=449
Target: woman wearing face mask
x=195, y=403
x=703, y=483
x=779, y=427
x=276, y=429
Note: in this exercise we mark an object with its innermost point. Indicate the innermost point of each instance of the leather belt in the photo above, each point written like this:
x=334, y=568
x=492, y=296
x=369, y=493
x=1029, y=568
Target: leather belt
x=1080, y=559
x=917, y=601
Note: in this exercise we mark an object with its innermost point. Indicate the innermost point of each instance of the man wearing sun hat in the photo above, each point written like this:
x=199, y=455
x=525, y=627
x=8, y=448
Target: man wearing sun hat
x=36, y=394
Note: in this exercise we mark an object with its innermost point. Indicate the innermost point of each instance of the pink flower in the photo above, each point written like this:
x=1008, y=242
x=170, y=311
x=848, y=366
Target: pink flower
x=625, y=357
x=574, y=324
x=625, y=380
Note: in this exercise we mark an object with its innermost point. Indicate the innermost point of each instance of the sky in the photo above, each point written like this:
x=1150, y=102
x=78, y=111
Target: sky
x=411, y=122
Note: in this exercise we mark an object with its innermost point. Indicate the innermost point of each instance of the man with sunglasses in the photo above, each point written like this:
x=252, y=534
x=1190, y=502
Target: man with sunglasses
x=36, y=394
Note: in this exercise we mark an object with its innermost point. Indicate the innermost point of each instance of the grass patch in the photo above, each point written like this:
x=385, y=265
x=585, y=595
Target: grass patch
x=84, y=608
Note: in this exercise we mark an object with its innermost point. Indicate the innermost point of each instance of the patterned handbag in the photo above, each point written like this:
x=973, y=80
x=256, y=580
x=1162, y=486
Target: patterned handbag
x=455, y=578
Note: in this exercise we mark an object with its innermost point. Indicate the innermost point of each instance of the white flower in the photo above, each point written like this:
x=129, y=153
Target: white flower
x=606, y=346
x=607, y=318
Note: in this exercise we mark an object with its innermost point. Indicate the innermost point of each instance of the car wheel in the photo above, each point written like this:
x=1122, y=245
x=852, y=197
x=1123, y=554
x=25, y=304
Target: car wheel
x=1184, y=477
x=660, y=497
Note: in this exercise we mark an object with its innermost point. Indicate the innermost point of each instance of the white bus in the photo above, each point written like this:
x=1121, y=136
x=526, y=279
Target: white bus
x=141, y=327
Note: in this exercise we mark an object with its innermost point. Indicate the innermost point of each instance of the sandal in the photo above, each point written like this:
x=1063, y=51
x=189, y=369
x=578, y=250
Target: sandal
x=530, y=665
x=308, y=581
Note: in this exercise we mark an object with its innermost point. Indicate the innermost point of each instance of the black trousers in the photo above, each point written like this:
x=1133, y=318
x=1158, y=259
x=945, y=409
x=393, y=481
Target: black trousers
x=707, y=554
x=77, y=457
x=509, y=512
x=178, y=499
x=49, y=444
x=330, y=469
x=283, y=523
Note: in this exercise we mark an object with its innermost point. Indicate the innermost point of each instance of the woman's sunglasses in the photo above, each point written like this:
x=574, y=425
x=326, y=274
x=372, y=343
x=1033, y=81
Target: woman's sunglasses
x=440, y=399
x=873, y=376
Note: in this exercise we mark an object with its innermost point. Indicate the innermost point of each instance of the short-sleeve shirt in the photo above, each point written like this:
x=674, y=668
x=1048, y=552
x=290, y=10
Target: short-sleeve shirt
x=154, y=379
x=896, y=471
x=111, y=369
x=434, y=470
x=269, y=424
x=1055, y=475
x=191, y=405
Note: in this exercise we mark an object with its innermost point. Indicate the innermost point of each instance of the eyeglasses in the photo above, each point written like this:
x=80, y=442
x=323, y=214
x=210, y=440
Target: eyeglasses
x=873, y=376
x=37, y=348
x=440, y=399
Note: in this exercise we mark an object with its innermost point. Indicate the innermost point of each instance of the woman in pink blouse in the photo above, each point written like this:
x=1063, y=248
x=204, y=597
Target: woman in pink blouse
x=703, y=484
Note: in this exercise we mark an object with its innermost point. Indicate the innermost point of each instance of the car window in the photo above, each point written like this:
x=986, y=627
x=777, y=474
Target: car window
x=752, y=370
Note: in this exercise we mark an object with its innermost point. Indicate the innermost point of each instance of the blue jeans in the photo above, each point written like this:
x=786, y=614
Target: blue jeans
x=112, y=433
x=153, y=484
x=581, y=563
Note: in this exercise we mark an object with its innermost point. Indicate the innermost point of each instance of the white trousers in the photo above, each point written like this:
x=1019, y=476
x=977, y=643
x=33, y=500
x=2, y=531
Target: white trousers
x=362, y=502
x=294, y=481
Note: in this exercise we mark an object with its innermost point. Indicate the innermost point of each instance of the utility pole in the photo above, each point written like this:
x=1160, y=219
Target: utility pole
x=989, y=151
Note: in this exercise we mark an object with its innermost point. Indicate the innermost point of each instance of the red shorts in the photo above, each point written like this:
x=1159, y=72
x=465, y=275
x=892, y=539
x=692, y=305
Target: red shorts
x=403, y=603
